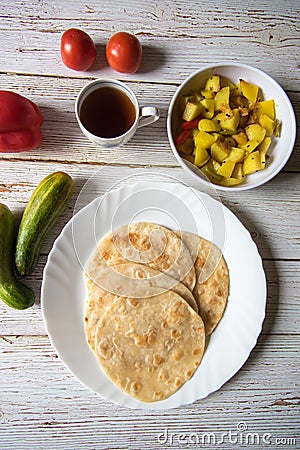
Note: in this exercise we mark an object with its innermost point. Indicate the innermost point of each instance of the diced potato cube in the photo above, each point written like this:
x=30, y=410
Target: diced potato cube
x=201, y=156
x=186, y=98
x=231, y=123
x=252, y=163
x=194, y=132
x=233, y=132
x=236, y=155
x=226, y=169
x=213, y=83
x=222, y=98
x=209, y=125
x=209, y=108
x=204, y=139
x=218, y=152
x=236, y=90
x=250, y=146
x=267, y=123
x=263, y=148
x=264, y=145
x=192, y=110
x=238, y=171
x=226, y=109
x=240, y=138
x=249, y=90
x=267, y=107
x=207, y=94
x=255, y=132
x=230, y=181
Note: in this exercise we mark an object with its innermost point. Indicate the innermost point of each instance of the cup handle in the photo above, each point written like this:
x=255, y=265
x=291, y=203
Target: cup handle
x=148, y=114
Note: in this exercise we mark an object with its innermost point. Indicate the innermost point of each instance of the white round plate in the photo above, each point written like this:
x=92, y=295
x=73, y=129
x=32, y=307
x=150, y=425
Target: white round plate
x=177, y=207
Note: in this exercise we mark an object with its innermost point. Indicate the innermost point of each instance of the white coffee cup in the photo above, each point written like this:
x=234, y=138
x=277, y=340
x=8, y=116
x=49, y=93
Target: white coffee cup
x=143, y=115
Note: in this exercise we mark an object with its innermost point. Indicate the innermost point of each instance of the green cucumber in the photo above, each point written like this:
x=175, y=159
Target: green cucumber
x=46, y=204
x=14, y=293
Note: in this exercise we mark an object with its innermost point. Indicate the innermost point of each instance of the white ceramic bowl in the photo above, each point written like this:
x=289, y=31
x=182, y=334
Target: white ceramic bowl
x=281, y=147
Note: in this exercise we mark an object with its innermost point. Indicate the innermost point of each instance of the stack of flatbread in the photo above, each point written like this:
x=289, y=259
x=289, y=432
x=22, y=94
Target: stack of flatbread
x=153, y=296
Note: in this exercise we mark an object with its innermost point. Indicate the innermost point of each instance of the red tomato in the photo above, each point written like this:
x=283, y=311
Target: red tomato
x=77, y=49
x=124, y=52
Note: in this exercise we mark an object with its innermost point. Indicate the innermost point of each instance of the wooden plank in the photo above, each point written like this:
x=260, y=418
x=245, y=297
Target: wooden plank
x=37, y=393
x=64, y=142
x=283, y=275
x=42, y=406
x=246, y=34
x=263, y=218
x=282, y=312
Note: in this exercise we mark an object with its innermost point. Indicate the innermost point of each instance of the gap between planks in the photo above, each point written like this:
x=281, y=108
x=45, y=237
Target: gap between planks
x=88, y=78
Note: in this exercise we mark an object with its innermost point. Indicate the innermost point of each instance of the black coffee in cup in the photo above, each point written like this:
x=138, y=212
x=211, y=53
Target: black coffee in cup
x=107, y=112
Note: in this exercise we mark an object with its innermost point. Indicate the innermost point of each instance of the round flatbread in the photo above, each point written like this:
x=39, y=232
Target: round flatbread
x=212, y=279
x=150, y=347
x=139, y=281
x=144, y=243
x=97, y=301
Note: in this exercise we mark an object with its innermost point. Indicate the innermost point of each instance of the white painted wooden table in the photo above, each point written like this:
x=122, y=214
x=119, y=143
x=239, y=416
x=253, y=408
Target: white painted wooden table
x=41, y=404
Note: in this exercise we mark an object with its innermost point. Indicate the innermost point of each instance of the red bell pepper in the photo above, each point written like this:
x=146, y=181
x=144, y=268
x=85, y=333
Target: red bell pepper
x=182, y=137
x=20, y=123
x=191, y=124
